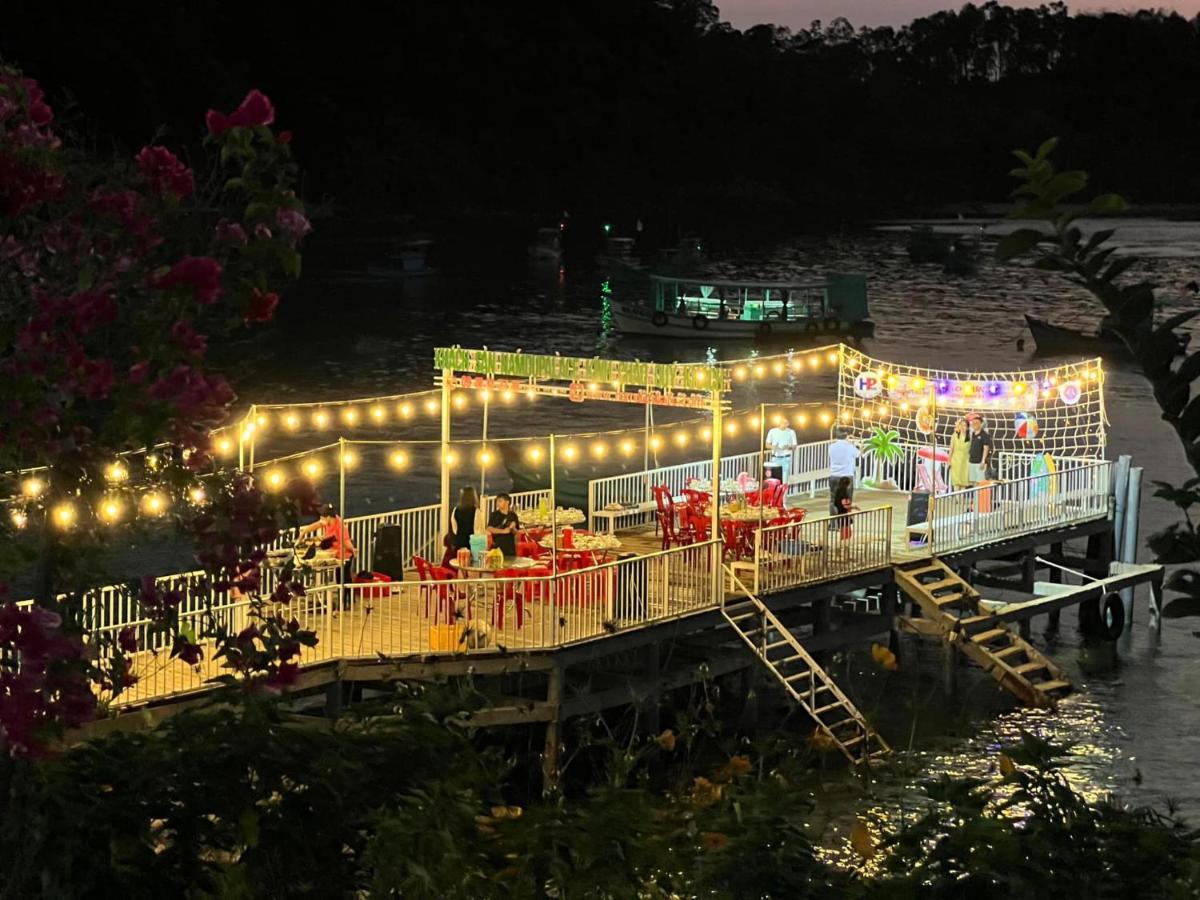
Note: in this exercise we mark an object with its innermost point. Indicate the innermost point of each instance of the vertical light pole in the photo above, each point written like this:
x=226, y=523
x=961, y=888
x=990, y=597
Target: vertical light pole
x=341, y=515
x=444, y=495
x=483, y=447
x=718, y=577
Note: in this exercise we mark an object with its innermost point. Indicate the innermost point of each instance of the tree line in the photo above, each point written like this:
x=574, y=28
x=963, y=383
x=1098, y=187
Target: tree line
x=655, y=109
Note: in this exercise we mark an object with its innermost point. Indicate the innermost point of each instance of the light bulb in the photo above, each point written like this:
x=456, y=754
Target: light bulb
x=459, y=400
x=681, y=438
x=154, y=504
x=398, y=458
x=740, y=373
x=760, y=370
x=705, y=433
x=797, y=364
x=349, y=458
x=485, y=457
x=813, y=362
x=406, y=410
x=378, y=413
x=451, y=458
x=64, y=515
x=832, y=357
x=110, y=510
x=431, y=406
x=225, y=446
x=731, y=428
x=321, y=418
x=350, y=416
x=701, y=376
x=754, y=420
x=486, y=395
x=116, y=472
x=19, y=519
x=32, y=487
x=777, y=419
x=778, y=368
x=507, y=396
x=311, y=468
x=627, y=447
x=825, y=418
x=261, y=421
x=656, y=443
x=569, y=452
x=291, y=421
x=599, y=449
x=535, y=453
x=197, y=495
x=275, y=479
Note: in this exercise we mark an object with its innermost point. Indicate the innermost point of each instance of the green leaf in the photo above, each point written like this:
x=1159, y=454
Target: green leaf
x=1046, y=148
x=1063, y=185
x=1018, y=243
x=1107, y=205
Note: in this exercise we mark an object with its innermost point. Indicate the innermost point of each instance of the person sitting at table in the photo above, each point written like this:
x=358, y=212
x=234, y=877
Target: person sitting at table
x=465, y=520
x=333, y=536
x=503, y=524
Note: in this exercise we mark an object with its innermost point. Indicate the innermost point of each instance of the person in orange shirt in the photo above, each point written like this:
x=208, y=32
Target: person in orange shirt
x=334, y=536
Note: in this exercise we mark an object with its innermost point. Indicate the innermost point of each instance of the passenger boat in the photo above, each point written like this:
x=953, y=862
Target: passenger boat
x=710, y=309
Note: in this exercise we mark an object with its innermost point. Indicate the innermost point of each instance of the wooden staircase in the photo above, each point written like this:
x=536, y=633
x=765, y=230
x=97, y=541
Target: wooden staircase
x=953, y=607
x=805, y=681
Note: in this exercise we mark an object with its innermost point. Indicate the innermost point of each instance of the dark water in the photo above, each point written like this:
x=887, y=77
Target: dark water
x=355, y=328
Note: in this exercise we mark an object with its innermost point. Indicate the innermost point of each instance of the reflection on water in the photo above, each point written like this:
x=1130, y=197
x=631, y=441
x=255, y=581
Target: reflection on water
x=1134, y=717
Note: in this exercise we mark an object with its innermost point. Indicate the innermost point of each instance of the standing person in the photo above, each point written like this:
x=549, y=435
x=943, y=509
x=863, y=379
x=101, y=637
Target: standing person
x=843, y=457
x=843, y=503
x=960, y=455
x=465, y=520
x=334, y=536
x=503, y=524
x=781, y=441
x=981, y=450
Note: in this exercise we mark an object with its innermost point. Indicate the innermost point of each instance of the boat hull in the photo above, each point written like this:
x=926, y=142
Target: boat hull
x=639, y=321
x=1055, y=339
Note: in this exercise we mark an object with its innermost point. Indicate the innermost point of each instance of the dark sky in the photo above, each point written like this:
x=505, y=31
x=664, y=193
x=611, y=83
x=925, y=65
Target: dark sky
x=797, y=13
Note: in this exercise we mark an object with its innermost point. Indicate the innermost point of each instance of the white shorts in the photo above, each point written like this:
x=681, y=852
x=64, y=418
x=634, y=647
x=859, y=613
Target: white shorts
x=976, y=473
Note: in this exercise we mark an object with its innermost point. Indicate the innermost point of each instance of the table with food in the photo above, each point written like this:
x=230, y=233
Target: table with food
x=544, y=518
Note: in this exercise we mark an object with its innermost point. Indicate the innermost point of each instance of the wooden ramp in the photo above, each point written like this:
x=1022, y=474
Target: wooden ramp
x=805, y=681
x=953, y=607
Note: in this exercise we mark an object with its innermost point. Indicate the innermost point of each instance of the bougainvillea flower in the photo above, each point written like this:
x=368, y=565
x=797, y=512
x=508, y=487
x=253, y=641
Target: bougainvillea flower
x=165, y=171
x=292, y=222
x=256, y=109
x=262, y=306
x=201, y=273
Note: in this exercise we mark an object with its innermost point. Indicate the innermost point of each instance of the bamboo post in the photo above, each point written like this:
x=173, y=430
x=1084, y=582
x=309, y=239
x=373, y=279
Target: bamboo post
x=341, y=511
x=483, y=449
x=718, y=593
x=553, y=545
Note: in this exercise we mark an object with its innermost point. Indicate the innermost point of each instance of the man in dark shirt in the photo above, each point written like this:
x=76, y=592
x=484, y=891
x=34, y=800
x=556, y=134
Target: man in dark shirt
x=502, y=526
x=981, y=450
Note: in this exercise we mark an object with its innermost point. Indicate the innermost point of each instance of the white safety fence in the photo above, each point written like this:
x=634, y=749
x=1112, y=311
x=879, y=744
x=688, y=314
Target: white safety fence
x=815, y=550
x=996, y=512
x=521, y=611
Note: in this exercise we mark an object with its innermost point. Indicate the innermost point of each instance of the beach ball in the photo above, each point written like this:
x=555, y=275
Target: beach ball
x=1026, y=426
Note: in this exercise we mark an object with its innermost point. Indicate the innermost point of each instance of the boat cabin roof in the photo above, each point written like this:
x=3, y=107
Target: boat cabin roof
x=752, y=285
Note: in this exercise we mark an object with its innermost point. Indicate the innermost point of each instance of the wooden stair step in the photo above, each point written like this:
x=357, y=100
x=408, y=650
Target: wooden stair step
x=1009, y=651
x=918, y=566
x=775, y=645
x=990, y=635
x=1029, y=667
x=805, y=674
x=850, y=721
x=854, y=740
x=809, y=695
x=825, y=709
x=970, y=621
x=1047, y=686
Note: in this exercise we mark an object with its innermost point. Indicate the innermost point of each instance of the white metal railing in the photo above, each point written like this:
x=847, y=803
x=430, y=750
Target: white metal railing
x=1011, y=465
x=632, y=489
x=1007, y=509
x=819, y=549
x=524, y=612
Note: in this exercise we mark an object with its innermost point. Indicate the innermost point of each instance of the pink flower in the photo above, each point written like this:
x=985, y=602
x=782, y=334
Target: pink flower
x=262, y=306
x=138, y=372
x=92, y=309
x=292, y=222
x=229, y=232
x=188, y=340
x=201, y=273
x=256, y=109
x=165, y=172
x=39, y=112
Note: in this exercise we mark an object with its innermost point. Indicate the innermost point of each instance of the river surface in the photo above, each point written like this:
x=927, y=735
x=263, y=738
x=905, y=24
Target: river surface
x=356, y=327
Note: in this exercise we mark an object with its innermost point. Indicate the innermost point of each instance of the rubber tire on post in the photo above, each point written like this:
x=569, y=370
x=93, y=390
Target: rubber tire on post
x=833, y=325
x=763, y=330
x=1112, y=617
x=699, y=322
x=659, y=319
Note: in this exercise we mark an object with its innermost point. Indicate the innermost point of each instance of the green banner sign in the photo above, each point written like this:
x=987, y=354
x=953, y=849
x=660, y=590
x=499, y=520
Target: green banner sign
x=666, y=376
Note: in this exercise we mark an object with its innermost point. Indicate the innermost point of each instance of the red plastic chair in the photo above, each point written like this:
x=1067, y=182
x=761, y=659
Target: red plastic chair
x=797, y=514
x=445, y=596
x=674, y=535
x=735, y=533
